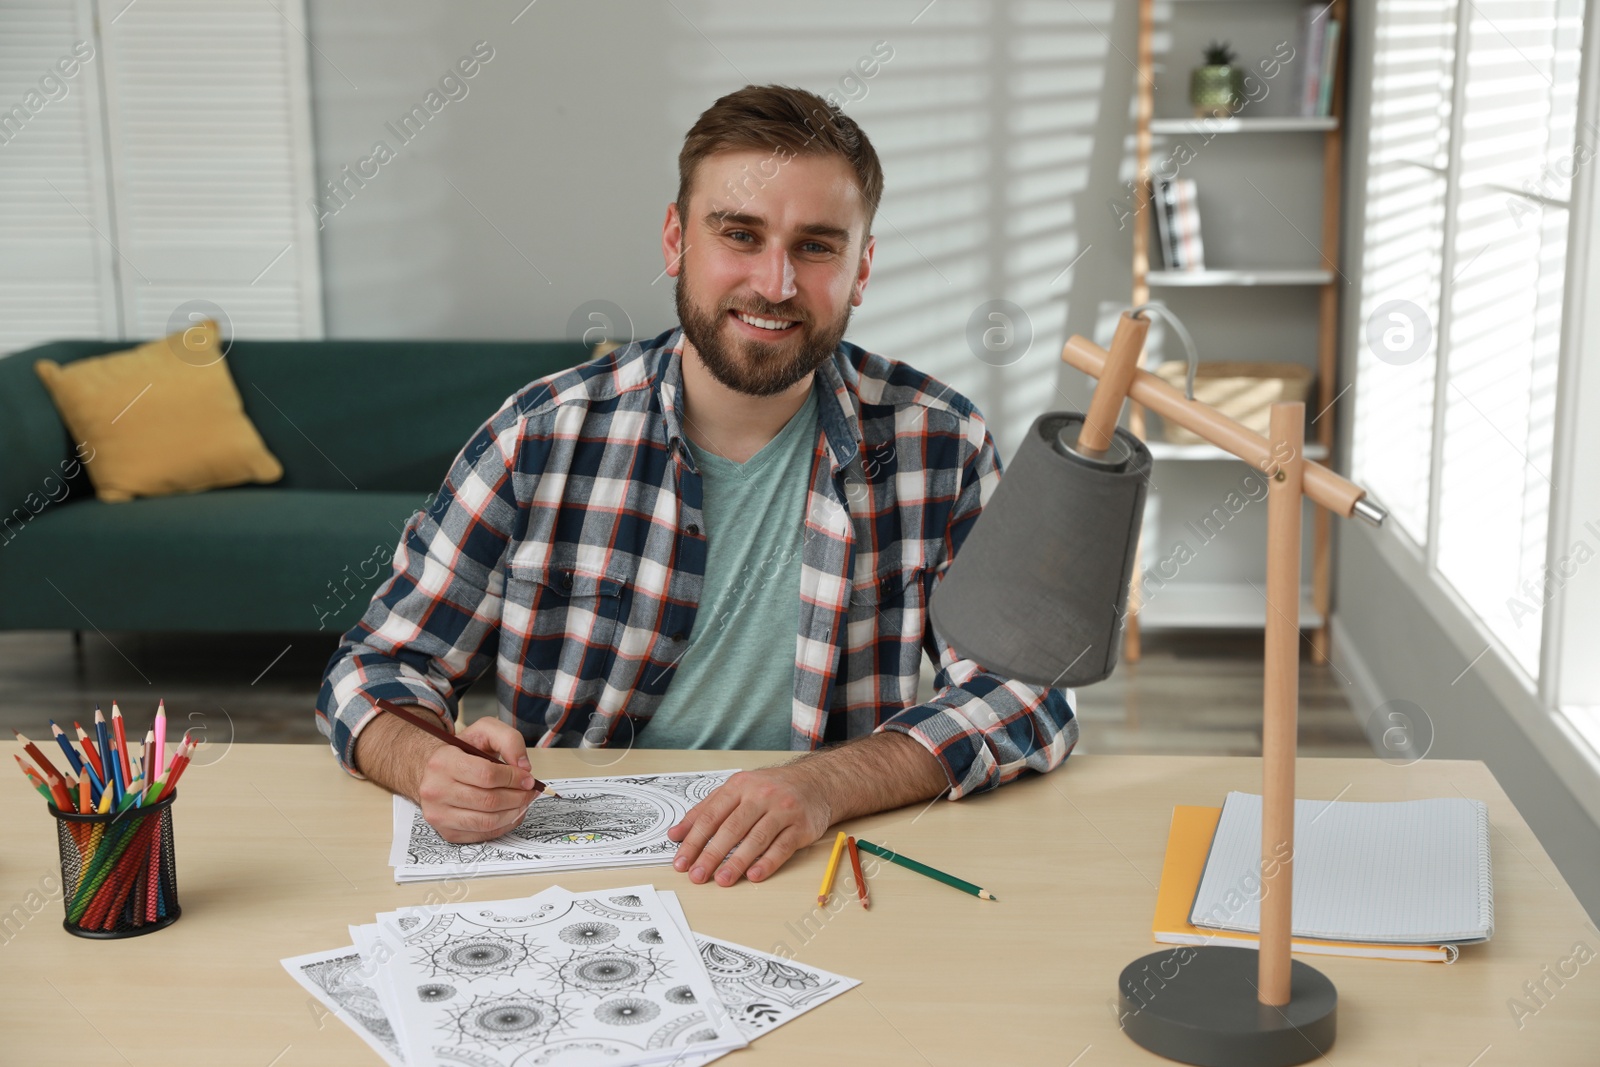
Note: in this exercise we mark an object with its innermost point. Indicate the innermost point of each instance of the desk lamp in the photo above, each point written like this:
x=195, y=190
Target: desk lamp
x=1038, y=593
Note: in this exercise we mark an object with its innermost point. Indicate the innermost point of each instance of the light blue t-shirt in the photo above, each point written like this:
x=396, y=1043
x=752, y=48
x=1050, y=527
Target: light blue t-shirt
x=734, y=684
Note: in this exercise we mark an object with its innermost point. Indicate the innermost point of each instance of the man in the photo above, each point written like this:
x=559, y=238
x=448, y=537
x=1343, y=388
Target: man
x=722, y=537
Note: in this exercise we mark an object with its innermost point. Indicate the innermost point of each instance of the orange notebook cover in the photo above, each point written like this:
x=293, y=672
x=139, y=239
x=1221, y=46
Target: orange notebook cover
x=1188, y=842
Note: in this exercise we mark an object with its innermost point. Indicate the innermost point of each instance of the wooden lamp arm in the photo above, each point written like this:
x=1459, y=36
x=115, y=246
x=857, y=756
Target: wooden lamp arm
x=1337, y=494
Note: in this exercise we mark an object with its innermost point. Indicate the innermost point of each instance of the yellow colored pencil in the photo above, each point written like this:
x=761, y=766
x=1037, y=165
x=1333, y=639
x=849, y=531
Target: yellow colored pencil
x=833, y=869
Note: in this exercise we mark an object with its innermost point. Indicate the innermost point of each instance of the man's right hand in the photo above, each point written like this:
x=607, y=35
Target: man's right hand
x=463, y=797
x=470, y=799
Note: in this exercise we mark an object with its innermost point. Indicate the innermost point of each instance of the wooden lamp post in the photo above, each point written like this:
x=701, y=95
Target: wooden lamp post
x=1297, y=1004
x=1038, y=593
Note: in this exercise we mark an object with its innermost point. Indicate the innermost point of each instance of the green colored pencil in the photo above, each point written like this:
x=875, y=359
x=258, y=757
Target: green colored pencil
x=923, y=868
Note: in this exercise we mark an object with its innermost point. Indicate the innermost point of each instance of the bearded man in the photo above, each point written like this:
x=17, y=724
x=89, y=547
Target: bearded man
x=722, y=537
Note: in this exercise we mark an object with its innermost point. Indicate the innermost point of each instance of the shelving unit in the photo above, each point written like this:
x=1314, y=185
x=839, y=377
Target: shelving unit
x=1228, y=590
x=1283, y=124
x=1217, y=606
x=1238, y=277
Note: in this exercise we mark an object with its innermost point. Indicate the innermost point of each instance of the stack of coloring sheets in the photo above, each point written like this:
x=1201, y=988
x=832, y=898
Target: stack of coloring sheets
x=611, y=977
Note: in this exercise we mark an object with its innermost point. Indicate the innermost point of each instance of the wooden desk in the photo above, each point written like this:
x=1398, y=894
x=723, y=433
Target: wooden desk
x=278, y=851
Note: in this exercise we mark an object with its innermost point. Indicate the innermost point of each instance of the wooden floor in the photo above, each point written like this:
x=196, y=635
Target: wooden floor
x=1191, y=694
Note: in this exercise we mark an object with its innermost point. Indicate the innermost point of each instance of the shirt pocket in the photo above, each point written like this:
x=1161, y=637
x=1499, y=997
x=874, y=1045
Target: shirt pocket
x=559, y=627
x=888, y=606
x=888, y=587
x=883, y=646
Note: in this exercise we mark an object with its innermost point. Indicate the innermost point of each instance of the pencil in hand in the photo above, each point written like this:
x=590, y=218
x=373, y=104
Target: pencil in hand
x=448, y=738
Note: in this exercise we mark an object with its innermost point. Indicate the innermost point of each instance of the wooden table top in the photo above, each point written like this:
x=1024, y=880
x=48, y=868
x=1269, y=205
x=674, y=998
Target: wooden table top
x=278, y=851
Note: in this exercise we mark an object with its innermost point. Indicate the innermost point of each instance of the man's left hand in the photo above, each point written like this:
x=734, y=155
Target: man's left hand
x=761, y=817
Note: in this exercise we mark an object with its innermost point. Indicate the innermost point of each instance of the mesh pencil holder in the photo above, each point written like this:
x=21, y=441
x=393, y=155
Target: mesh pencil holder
x=118, y=873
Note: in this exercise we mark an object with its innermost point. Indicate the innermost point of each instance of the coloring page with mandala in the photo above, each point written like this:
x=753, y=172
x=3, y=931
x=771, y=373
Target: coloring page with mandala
x=571, y=979
x=759, y=990
x=344, y=985
x=595, y=823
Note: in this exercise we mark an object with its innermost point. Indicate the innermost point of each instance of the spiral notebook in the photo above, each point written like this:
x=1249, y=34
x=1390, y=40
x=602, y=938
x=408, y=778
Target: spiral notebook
x=1188, y=841
x=1405, y=872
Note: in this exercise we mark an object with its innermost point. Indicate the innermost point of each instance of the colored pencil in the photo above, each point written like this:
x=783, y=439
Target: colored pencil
x=54, y=794
x=83, y=795
x=833, y=868
x=160, y=732
x=95, y=783
x=66, y=747
x=58, y=791
x=152, y=879
x=179, y=763
x=33, y=779
x=91, y=763
x=102, y=736
x=923, y=869
x=120, y=731
x=48, y=772
x=855, y=867
x=91, y=844
x=133, y=797
x=45, y=767
x=114, y=758
x=451, y=739
x=89, y=754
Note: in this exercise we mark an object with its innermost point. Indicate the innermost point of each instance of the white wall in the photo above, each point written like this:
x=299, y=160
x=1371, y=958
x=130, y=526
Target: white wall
x=1004, y=129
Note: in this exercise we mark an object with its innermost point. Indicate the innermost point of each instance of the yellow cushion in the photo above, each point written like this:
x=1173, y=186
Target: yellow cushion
x=162, y=418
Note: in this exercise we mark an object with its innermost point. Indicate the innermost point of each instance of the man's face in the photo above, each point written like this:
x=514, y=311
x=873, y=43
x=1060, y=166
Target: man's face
x=769, y=262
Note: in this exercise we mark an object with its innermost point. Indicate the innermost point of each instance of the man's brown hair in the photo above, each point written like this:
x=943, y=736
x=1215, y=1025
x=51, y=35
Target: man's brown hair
x=785, y=122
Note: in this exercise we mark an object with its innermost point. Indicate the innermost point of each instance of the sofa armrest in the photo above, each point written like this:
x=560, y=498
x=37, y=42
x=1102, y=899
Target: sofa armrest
x=39, y=463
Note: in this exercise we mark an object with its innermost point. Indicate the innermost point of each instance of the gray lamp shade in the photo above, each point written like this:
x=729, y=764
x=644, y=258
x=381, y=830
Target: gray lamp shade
x=1038, y=591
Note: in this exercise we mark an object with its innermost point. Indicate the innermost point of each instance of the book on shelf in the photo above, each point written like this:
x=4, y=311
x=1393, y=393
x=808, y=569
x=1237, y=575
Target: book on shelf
x=1158, y=208
x=1319, y=50
x=1330, y=53
x=1178, y=223
x=1189, y=841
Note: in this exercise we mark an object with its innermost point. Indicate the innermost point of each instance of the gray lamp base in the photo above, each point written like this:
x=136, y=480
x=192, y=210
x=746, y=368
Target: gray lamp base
x=1197, y=1004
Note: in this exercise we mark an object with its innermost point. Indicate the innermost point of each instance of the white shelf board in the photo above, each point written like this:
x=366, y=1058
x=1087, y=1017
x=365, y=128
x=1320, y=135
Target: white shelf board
x=1168, y=450
x=1183, y=605
x=1238, y=277
x=1279, y=124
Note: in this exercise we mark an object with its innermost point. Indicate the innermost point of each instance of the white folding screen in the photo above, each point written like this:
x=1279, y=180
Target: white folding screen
x=169, y=182
x=57, y=271
x=210, y=140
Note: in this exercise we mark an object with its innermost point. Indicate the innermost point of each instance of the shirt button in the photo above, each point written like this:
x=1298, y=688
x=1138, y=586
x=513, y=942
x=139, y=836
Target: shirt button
x=679, y=635
x=694, y=530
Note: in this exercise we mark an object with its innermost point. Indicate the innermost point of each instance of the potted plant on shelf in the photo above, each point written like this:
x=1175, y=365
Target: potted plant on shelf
x=1217, y=89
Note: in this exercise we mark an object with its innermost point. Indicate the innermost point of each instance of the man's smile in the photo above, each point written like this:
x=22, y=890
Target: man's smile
x=764, y=328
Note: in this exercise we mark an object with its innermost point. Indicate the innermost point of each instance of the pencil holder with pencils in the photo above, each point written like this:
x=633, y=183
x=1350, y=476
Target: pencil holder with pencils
x=118, y=872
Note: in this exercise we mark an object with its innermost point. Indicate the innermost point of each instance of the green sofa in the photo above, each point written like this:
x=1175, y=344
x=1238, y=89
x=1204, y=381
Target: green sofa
x=366, y=431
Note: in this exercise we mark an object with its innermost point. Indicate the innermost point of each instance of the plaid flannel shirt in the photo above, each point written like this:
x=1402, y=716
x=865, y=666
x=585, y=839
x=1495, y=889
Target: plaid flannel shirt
x=567, y=548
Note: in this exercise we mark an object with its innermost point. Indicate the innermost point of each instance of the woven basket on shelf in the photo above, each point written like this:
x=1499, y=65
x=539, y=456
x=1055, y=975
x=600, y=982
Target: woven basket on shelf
x=1245, y=392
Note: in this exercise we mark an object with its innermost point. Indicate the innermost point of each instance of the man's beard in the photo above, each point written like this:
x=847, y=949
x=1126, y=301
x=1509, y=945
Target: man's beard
x=759, y=368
